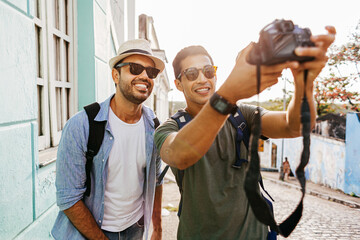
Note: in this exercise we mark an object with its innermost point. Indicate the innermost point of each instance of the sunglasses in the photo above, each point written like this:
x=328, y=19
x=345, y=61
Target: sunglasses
x=137, y=69
x=192, y=73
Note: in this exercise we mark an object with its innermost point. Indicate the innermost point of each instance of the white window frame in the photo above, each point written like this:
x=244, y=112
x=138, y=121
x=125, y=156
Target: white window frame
x=42, y=75
x=57, y=66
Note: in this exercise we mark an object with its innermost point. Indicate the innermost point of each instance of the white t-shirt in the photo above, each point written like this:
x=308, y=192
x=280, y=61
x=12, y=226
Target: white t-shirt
x=123, y=203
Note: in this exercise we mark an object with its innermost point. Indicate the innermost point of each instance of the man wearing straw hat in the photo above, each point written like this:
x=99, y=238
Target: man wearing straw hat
x=123, y=194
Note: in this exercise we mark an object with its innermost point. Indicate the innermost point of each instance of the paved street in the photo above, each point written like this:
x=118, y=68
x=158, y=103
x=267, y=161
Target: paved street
x=322, y=219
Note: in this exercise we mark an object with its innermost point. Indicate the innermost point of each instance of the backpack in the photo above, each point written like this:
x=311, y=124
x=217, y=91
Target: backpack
x=242, y=134
x=96, y=136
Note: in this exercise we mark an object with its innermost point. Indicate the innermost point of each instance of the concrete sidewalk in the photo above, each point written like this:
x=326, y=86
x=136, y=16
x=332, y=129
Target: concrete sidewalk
x=315, y=190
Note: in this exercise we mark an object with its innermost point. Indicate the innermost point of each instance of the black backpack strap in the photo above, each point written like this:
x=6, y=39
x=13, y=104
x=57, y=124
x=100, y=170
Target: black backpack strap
x=242, y=134
x=96, y=136
x=181, y=118
x=239, y=122
x=181, y=177
x=156, y=122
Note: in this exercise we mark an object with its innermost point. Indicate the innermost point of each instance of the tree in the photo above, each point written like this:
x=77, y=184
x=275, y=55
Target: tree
x=335, y=88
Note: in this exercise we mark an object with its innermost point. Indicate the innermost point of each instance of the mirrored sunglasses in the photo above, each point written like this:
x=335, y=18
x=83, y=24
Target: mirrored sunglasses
x=192, y=73
x=137, y=69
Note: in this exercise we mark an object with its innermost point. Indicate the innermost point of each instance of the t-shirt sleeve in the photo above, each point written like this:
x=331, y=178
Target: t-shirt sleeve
x=248, y=112
x=163, y=131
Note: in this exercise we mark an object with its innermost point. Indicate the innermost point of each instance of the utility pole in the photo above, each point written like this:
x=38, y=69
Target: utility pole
x=281, y=176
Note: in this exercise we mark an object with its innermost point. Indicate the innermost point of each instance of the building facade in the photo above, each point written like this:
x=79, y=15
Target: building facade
x=53, y=61
x=158, y=100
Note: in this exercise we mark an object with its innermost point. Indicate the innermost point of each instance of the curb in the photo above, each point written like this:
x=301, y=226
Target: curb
x=317, y=194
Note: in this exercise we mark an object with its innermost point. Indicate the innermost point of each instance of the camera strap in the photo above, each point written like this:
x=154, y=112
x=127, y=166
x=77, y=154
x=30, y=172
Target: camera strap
x=259, y=206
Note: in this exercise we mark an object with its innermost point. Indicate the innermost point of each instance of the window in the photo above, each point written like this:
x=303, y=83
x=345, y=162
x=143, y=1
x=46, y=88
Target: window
x=53, y=22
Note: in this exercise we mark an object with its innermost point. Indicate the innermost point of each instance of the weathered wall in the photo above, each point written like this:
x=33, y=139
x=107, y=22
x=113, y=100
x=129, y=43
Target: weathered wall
x=327, y=159
x=332, y=162
x=327, y=162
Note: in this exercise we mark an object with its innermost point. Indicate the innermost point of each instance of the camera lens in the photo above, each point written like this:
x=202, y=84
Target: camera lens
x=288, y=26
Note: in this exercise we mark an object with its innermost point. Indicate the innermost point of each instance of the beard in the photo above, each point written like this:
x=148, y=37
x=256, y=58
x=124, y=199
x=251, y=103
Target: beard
x=129, y=93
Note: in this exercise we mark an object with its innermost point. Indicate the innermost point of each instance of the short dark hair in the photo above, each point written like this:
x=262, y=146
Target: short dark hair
x=185, y=52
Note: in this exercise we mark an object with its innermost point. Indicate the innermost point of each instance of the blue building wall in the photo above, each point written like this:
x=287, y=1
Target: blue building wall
x=18, y=114
x=86, y=54
x=27, y=203
x=352, y=163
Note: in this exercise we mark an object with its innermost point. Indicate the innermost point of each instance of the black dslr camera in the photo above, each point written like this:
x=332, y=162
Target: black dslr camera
x=277, y=43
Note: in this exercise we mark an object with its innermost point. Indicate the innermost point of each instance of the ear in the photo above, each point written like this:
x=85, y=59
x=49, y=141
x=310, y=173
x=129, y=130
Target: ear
x=115, y=75
x=178, y=85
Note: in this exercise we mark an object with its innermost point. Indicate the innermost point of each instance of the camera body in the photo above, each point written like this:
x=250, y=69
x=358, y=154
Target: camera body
x=277, y=43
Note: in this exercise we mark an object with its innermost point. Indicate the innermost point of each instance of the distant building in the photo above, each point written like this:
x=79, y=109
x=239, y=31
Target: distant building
x=158, y=100
x=331, y=125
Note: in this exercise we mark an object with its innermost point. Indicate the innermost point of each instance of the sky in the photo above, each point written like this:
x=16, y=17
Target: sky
x=225, y=27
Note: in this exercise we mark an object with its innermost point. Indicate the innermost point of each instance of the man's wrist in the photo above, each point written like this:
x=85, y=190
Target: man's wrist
x=157, y=229
x=228, y=95
x=222, y=105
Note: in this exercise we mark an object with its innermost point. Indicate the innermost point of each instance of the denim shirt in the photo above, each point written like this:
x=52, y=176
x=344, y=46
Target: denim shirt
x=71, y=175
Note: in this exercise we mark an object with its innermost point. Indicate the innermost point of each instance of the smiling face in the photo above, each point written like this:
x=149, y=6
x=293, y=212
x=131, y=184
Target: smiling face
x=134, y=88
x=196, y=92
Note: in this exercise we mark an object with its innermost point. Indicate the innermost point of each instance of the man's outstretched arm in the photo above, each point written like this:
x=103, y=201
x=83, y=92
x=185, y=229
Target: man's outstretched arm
x=184, y=148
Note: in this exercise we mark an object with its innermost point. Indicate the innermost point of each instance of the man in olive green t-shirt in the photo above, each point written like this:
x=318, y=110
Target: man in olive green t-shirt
x=214, y=204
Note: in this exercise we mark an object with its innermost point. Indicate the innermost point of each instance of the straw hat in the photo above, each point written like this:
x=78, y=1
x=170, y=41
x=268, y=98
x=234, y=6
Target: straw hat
x=136, y=46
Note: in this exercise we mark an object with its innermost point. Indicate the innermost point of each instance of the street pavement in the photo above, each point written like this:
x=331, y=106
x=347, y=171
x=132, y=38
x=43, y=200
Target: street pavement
x=327, y=214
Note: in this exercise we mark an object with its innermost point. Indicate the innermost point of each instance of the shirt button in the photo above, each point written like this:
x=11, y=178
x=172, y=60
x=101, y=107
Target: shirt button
x=103, y=160
x=111, y=138
x=99, y=221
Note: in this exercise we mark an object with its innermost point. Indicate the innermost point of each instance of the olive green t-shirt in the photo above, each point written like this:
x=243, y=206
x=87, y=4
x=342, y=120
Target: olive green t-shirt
x=214, y=202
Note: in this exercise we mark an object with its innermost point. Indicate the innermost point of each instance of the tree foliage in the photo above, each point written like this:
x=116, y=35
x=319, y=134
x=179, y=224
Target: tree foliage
x=335, y=88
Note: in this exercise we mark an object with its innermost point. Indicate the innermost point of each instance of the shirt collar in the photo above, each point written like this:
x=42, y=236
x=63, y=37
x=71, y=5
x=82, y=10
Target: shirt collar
x=103, y=114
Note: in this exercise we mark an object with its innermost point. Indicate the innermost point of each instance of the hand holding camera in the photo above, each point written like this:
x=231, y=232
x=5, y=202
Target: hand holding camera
x=277, y=44
x=282, y=41
x=281, y=45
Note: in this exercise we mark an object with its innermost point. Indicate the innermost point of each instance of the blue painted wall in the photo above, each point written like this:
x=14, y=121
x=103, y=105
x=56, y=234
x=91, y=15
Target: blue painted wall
x=27, y=192
x=86, y=54
x=18, y=113
x=352, y=163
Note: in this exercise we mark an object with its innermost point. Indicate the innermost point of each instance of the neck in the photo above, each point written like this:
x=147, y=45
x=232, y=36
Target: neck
x=193, y=109
x=125, y=110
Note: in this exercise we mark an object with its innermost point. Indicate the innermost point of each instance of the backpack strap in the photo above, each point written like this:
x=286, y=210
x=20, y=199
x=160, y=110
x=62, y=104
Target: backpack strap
x=181, y=118
x=242, y=134
x=96, y=136
x=239, y=123
x=156, y=122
